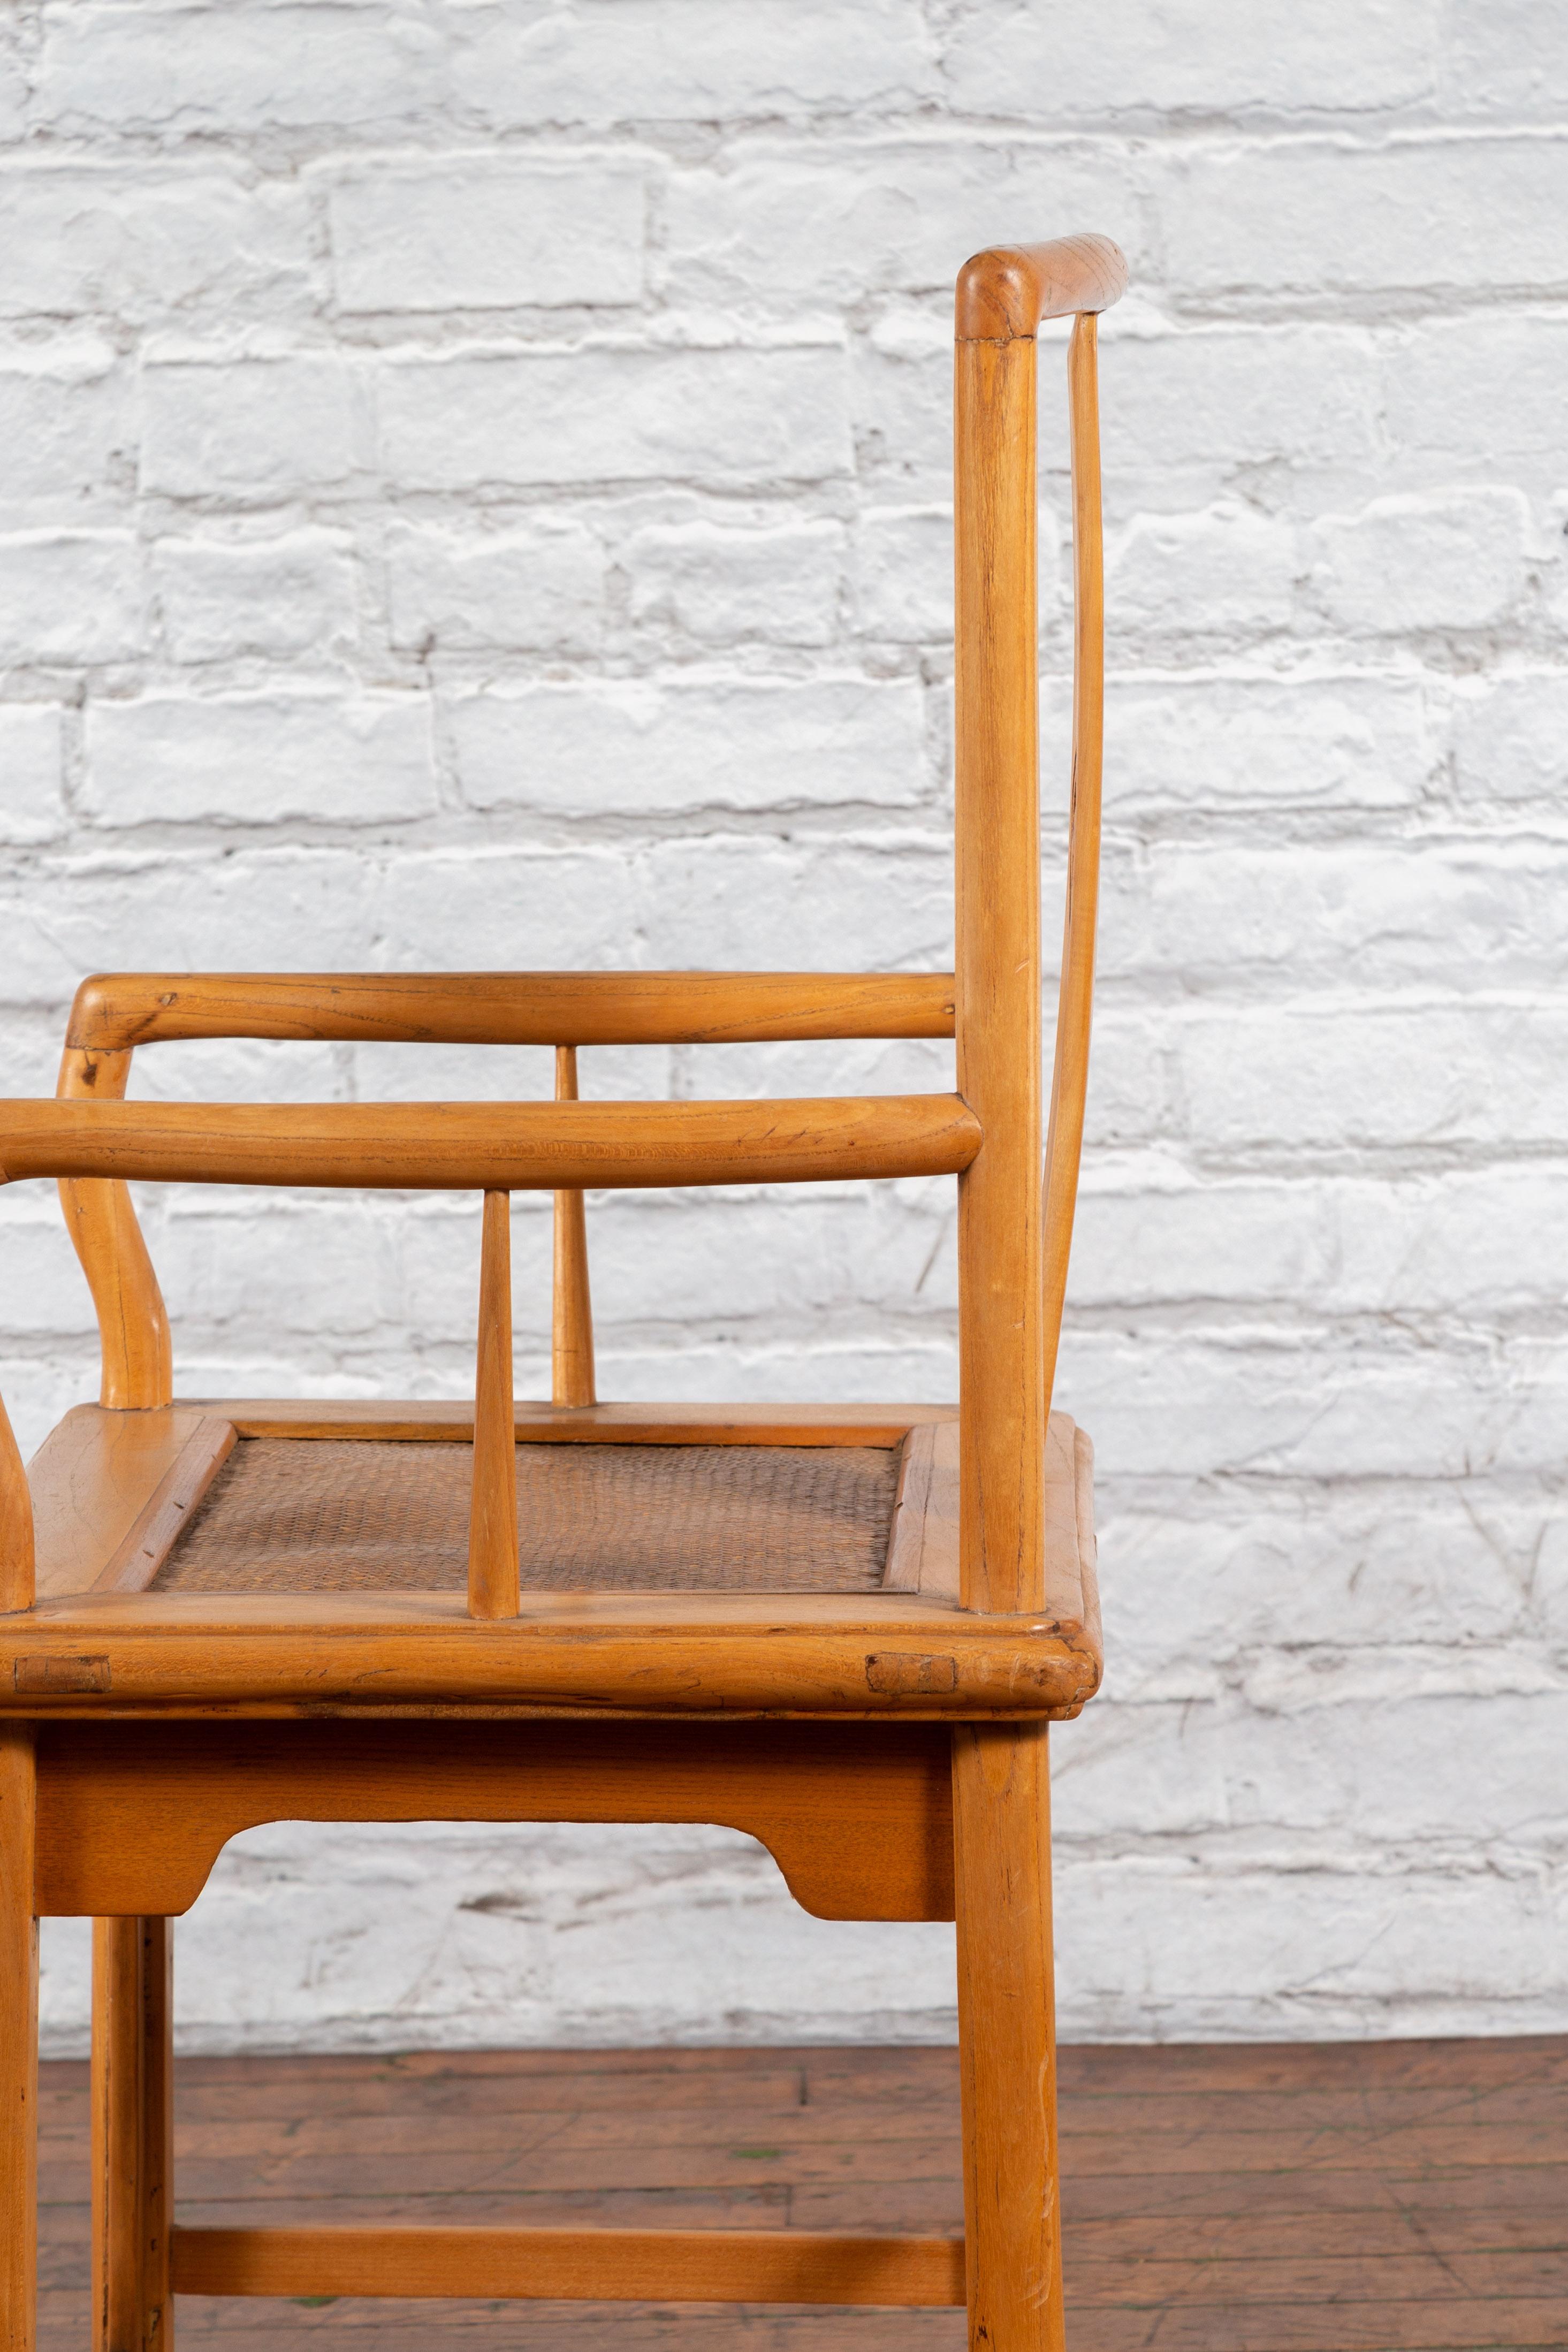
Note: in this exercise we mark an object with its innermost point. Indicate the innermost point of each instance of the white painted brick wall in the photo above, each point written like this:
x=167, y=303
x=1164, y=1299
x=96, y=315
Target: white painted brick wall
x=475, y=491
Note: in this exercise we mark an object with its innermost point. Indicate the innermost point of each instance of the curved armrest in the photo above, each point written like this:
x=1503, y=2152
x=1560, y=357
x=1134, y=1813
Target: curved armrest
x=491, y=1147
x=1004, y=293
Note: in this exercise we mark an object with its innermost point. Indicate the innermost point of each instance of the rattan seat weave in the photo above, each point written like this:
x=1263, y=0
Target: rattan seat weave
x=287, y=1515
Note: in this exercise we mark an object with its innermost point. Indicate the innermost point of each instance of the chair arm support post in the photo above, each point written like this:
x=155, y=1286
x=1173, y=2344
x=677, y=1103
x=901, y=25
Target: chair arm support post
x=494, y=1581
x=100, y=1218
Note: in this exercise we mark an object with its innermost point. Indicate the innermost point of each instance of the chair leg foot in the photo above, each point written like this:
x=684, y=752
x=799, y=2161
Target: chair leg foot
x=133, y=2134
x=1006, y=2027
x=18, y=2045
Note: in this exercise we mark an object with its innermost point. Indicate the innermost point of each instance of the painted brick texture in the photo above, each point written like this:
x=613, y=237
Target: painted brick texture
x=475, y=491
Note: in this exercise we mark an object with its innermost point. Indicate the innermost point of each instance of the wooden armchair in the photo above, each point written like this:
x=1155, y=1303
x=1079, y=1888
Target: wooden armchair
x=844, y=1629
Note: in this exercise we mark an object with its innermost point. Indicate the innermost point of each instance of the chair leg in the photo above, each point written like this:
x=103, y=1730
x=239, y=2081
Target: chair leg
x=18, y=2045
x=1007, y=2030
x=132, y=2135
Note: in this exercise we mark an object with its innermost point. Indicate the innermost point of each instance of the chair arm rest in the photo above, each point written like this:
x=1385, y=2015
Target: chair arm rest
x=491, y=1147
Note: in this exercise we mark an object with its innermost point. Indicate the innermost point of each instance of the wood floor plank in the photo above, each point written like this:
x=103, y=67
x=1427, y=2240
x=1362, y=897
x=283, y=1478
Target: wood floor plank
x=1170, y=2281
x=603, y=2118
x=656, y=2208
x=1305, y=2108
x=1455, y=2232
x=895, y=2132
x=1457, y=2324
x=1426, y=2146
x=406, y=2095
x=1271, y=2065
x=1292, y=2162
x=1402, y=2197
x=1535, y=2188
x=312, y=2066
x=262, y=2327
x=258, y=2327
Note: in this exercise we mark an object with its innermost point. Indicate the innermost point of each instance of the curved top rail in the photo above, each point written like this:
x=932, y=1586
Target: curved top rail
x=117, y=1010
x=1004, y=293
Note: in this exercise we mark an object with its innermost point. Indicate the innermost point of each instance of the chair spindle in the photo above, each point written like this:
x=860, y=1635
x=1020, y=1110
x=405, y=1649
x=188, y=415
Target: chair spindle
x=493, y=1584
x=572, y=1321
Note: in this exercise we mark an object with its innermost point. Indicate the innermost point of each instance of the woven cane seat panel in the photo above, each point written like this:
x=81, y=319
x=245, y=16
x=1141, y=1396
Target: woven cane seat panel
x=293, y=1515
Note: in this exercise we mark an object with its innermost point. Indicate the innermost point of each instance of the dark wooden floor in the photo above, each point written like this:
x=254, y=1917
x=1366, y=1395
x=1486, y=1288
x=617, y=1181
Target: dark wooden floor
x=1295, y=2199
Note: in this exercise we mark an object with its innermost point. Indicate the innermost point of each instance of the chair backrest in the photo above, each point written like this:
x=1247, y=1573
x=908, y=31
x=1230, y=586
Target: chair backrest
x=1013, y=1234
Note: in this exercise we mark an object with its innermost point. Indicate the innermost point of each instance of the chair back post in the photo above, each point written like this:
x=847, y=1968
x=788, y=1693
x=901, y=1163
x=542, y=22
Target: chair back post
x=137, y=1357
x=16, y=1583
x=1004, y=1358
x=494, y=1584
x=996, y=968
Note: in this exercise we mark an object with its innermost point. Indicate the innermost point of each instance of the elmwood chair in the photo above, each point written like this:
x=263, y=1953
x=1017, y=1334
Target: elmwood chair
x=844, y=1629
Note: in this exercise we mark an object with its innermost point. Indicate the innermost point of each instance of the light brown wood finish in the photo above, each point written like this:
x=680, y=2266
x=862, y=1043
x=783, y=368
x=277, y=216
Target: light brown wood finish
x=485, y=1147
x=1006, y=2031
x=617, y=1424
x=599, y=2265
x=1002, y=1404
x=111, y=1490
x=166, y=1722
x=1087, y=1585
x=98, y=1478
x=512, y=1008
x=1216, y=2199
x=1012, y=1261
x=900, y=1570
x=132, y=2135
x=1011, y=1275
x=136, y=1559
x=1006, y=291
x=493, y=1586
x=132, y=1322
x=923, y=1549
x=1070, y=1068
x=702, y=1653
x=859, y=1817
x=114, y=1490
x=572, y=1306
x=18, y=2041
x=17, y=1538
